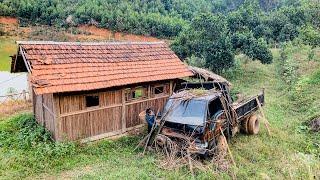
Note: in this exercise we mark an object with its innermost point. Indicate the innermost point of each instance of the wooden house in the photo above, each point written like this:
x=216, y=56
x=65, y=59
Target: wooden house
x=89, y=91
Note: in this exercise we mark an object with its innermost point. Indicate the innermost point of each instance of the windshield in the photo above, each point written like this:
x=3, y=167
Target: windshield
x=190, y=112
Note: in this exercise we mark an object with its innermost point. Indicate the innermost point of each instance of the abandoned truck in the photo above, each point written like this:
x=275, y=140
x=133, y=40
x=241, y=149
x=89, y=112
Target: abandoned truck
x=204, y=112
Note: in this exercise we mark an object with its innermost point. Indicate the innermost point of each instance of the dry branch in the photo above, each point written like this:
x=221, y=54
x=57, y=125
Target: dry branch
x=266, y=122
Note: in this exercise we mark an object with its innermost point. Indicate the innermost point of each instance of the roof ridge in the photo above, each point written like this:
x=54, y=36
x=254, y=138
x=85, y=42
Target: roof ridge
x=88, y=43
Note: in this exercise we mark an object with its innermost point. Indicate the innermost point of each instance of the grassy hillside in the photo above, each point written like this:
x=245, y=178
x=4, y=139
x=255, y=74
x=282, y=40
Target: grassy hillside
x=7, y=48
x=292, y=151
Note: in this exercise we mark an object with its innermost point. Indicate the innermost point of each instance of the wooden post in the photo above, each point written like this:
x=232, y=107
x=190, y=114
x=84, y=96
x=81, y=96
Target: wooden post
x=57, y=119
x=266, y=123
x=42, y=112
x=149, y=91
x=123, y=118
x=24, y=95
x=229, y=151
x=171, y=88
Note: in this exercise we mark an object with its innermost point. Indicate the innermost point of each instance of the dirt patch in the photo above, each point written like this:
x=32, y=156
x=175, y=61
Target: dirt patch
x=14, y=107
x=315, y=125
x=94, y=32
x=70, y=174
x=8, y=20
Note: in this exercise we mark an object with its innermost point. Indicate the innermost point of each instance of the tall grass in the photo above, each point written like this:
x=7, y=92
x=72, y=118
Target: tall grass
x=7, y=48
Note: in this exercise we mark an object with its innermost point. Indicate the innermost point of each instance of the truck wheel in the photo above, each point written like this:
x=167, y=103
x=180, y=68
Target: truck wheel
x=253, y=125
x=244, y=125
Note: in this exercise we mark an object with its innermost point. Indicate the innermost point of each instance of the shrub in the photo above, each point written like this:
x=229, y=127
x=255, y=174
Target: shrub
x=28, y=145
x=310, y=35
x=196, y=61
x=288, y=65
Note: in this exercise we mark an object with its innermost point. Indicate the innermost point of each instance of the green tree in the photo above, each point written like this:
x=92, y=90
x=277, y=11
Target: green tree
x=206, y=38
x=256, y=49
x=310, y=35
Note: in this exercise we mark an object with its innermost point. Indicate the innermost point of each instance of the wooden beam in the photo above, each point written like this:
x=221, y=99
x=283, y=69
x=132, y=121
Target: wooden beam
x=149, y=91
x=266, y=122
x=46, y=108
x=171, y=88
x=111, y=106
x=101, y=136
x=110, y=135
x=136, y=127
x=144, y=100
x=42, y=112
x=89, y=110
x=123, y=110
x=57, y=119
x=25, y=60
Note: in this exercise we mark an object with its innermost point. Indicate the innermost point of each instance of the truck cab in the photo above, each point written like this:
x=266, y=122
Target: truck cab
x=203, y=116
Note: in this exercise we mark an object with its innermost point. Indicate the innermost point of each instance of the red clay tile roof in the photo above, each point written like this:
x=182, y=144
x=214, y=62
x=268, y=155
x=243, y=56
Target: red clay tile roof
x=64, y=67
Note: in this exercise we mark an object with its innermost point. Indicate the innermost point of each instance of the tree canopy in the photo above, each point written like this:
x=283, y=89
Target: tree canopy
x=213, y=30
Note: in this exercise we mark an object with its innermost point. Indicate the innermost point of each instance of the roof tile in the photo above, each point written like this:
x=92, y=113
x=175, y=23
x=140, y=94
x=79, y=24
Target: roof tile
x=77, y=67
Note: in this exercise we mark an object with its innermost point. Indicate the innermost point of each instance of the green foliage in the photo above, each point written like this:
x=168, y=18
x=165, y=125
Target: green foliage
x=310, y=35
x=23, y=132
x=288, y=66
x=203, y=29
x=259, y=50
x=252, y=47
x=288, y=32
x=167, y=18
x=206, y=38
x=196, y=61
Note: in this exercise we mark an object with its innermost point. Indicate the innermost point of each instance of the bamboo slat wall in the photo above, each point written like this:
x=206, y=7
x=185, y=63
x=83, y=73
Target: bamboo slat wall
x=67, y=116
x=49, y=117
x=37, y=108
x=90, y=124
x=44, y=111
x=133, y=110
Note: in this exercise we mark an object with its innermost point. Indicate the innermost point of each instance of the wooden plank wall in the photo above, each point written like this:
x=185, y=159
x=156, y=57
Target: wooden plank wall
x=133, y=110
x=83, y=122
x=48, y=112
x=37, y=108
x=76, y=121
x=44, y=111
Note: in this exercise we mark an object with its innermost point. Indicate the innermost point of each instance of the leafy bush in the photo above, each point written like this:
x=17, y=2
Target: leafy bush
x=310, y=35
x=254, y=48
x=27, y=148
x=21, y=136
x=196, y=61
x=289, y=66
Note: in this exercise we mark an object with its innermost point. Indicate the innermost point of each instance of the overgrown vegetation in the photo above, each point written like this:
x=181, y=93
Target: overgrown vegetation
x=26, y=149
x=222, y=35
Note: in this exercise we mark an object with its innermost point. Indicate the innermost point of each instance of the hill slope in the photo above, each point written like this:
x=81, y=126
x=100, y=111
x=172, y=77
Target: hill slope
x=292, y=151
x=12, y=31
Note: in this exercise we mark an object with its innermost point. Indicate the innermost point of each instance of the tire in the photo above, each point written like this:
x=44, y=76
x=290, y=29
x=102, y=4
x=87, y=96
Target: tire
x=244, y=125
x=253, y=125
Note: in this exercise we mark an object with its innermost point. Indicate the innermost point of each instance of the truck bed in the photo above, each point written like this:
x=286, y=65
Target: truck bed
x=248, y=106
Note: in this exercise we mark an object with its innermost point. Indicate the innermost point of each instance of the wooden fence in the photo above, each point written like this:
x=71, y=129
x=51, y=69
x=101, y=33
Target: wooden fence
x=24, y=95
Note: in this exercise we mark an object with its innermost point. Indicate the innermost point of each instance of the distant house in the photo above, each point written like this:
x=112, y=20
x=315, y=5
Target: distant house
x=88, y=91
